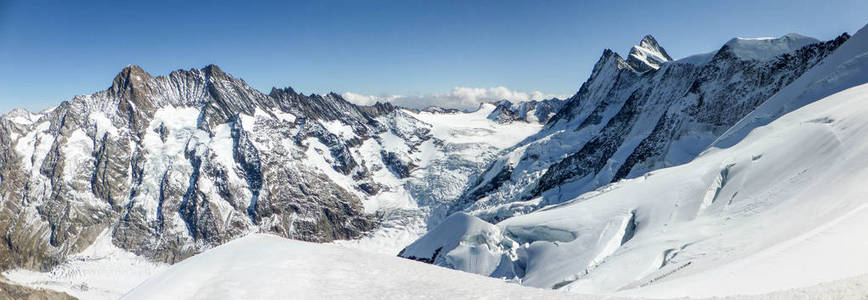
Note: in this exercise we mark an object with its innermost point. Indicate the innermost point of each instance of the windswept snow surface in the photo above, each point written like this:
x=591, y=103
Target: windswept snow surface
x=102, y=271
x=785, y=208
x=263, y=266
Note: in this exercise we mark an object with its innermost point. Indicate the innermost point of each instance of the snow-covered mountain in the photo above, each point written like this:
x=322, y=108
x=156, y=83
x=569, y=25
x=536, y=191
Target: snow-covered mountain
x=173, y=165
x=774, y=204
x=636, y=115
x=659, y=177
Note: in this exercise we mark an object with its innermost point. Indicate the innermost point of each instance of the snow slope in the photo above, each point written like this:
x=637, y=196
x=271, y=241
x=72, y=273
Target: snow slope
x=782, y=209
x=263, y=266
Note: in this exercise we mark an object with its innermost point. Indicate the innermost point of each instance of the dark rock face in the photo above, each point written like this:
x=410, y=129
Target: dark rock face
x=636, y=115
x=176, y=164
x=399, y=166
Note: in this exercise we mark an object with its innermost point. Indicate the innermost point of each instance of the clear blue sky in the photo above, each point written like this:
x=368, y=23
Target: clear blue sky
x=53, y=50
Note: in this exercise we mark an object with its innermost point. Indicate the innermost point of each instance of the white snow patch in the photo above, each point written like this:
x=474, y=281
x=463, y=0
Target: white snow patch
x=102, y=124
x=765, y=47
x=475, y=127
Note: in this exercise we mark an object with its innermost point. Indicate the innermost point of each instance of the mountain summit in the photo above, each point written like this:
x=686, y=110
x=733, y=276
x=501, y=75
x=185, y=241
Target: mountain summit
x=647, y=55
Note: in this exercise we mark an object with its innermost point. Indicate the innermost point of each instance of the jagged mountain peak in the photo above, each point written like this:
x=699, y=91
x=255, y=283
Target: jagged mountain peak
x=647, y=55
x=609, y=57
x=275, y=92
x=648, y=41
x=213, y=70
x=131, y=75
x=132, y=69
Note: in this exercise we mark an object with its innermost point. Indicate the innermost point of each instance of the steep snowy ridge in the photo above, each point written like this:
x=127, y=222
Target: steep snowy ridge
x=777, y=209
x=841, y=70
x=626, y=121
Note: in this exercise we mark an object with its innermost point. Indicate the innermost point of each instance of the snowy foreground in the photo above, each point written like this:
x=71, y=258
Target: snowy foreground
x=262, y=266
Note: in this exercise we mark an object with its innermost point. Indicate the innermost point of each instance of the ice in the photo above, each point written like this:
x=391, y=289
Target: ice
x=456, y=235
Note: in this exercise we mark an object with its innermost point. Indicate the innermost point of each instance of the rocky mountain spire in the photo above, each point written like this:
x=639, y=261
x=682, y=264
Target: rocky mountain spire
x=131, y=84
x=647, y=55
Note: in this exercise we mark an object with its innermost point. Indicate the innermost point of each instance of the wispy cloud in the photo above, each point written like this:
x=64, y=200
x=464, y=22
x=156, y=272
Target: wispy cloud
x=459, y=97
